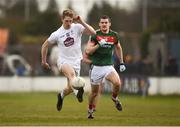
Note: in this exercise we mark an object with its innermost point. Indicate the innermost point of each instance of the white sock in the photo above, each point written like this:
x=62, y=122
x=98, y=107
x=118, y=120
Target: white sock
x=75, y=91
x=62, y=94
x=114, y=99
x=90, y=111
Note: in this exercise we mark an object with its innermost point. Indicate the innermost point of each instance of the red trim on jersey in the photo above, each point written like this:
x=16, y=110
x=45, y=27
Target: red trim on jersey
x=107, y=38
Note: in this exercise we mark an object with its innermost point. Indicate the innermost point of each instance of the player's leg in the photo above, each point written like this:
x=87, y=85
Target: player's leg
x=71, y=72
x=99, y=95
x=92, y=97
x=55, y=70
x=101, y=87
x=96, y=78
x=68, y=72
x=78, y=93
x=114, y=78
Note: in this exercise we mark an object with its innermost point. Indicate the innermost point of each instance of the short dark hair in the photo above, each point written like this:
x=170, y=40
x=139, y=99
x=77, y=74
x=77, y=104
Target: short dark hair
x=105, y=17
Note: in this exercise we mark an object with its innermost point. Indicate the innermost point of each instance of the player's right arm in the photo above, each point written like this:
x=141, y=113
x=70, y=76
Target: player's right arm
x=44, y=50
x=91, y=47
x=86, y=58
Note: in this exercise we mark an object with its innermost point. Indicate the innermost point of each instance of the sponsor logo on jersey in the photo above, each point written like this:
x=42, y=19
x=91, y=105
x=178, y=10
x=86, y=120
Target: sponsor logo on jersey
x=106, y=41
x=109, y=39
x=69, y=41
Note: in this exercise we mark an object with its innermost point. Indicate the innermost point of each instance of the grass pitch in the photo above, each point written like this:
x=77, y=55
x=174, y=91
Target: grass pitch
x=36, y=109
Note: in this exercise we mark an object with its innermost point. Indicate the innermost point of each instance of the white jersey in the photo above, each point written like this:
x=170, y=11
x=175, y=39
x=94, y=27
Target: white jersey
x=68, y=41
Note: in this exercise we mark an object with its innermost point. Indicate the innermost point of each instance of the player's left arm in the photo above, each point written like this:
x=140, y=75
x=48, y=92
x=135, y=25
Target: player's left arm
x=119, y=52
x=88, y=29
x=118, y=48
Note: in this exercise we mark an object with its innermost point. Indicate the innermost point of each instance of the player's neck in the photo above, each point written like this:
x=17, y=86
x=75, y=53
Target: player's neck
x=66, y=27
x=105, y=31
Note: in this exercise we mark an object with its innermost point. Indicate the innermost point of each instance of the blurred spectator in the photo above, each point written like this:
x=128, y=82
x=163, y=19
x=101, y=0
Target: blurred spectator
x=18, y=65
x=53, y=59
x=172, y=67
x=148, y=65
x=129, y=64
x=159, y=61
x=144, y=84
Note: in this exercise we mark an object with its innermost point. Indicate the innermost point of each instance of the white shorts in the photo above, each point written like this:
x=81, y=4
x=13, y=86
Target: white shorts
x=75, y=64
x=99, y=73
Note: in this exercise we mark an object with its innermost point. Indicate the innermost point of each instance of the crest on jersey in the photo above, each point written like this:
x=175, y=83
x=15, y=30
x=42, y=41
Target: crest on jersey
x=69, y=41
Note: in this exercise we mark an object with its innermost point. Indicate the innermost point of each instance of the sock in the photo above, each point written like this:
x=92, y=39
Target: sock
x=75, y=91
x=90, y=106
x=62, y=94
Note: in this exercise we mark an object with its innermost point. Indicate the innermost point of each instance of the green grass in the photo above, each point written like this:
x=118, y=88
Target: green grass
x=40, y=109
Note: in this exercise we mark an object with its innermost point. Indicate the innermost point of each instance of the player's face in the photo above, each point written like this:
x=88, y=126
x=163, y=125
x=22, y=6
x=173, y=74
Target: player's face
x=104, y=25
x=67, y=21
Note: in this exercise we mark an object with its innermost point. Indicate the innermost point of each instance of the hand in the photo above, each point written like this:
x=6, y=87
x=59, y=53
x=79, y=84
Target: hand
x=122, y=67
x=46, y=65
x=78, y=19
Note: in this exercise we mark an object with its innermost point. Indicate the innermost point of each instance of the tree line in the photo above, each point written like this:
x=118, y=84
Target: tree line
x=162, y=19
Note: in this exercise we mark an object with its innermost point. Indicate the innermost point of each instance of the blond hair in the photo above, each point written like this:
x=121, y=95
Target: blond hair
x=68, y=13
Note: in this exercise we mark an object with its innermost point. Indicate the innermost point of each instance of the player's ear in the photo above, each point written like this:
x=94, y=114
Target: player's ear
x=110, y=24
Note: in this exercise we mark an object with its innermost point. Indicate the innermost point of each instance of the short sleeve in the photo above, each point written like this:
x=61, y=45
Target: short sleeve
x=80, y=28
x=93, y=38
x=118, y=38
x=52, y=38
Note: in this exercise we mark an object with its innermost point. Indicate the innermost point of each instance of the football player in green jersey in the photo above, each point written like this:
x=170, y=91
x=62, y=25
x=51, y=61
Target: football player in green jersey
x=101, y=49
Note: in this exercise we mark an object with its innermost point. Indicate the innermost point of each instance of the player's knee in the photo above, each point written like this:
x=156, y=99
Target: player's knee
x=72, y=76
x=117, y=83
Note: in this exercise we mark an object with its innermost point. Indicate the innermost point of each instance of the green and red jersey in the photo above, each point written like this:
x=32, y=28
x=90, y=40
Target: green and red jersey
x=103, y=55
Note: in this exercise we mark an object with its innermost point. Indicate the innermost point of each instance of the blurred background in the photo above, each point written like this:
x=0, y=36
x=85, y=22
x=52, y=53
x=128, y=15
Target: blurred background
x=149, y=30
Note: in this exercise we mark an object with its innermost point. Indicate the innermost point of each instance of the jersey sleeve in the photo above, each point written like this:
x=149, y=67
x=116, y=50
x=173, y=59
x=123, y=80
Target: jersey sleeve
x=93, y=38
x=118, y=38
x=80, y=28
x=52, y=38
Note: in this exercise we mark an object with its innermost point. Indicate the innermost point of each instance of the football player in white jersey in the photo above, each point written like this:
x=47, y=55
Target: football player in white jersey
x=68, y=39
